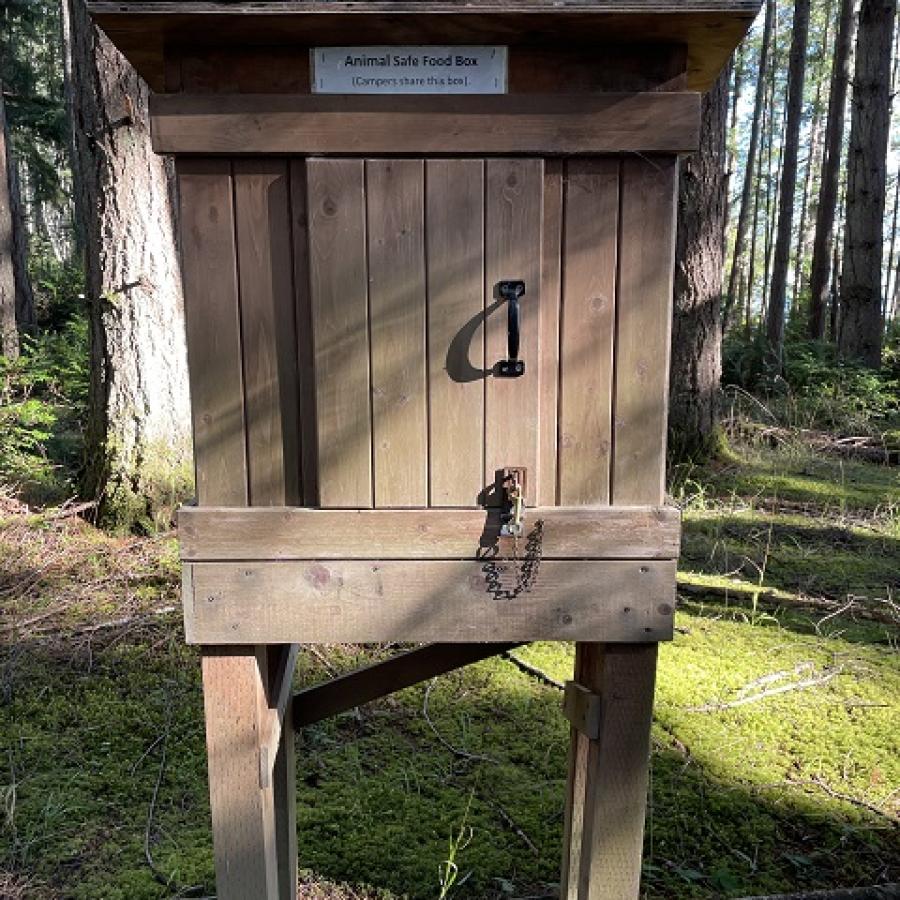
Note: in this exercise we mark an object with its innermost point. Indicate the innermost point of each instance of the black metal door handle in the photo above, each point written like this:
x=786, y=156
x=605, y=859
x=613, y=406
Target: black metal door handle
x=512, y=292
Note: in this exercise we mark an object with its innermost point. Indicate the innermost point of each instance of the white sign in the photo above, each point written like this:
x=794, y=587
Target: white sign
x=409, y=70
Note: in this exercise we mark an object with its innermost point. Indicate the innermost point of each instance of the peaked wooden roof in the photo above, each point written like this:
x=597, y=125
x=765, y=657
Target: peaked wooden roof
x=710, y=29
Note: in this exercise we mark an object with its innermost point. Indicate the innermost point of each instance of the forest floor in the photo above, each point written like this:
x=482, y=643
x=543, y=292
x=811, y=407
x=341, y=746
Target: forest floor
x=776, y=738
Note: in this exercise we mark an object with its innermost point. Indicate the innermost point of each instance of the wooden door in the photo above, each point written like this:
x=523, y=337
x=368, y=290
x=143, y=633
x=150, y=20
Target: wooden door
x=364, y=327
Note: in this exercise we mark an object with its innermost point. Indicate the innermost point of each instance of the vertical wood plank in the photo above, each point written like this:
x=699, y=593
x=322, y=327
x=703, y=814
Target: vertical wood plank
x=551, y=289
x=513, y=212
x=588, y=325
x=396, y=245
x=643, y=336
x=309, y=486
x=338, y=287
x=268, y=329
x=455, y=273
x=243, y=813
x=211, y=296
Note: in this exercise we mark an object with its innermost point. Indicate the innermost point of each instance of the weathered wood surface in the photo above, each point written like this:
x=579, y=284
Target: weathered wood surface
x=395, y=226
x=237, y=124
x=210, y=534
x=243, y=813
x=380, y=601
x=428, y=6
x=338, y=280
x=454, y=219
x=267, y=329
x=607, y=797
x=544, y=490
x=321, y=701
x=588, y=328
x=300, y=233
x=210, y=281
x=646, y=272
x=514, y=190
x=709, y=29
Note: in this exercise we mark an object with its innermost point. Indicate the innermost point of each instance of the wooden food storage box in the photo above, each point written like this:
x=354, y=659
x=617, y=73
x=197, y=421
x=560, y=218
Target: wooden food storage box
x=427, y=257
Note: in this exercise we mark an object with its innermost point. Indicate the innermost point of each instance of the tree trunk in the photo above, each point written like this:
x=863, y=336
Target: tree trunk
x=16, y=298
x=796, y=79
x=740, y=240
x=831, y=168
x=861, y=310
x=699, y=270
x=9, y=333
x=138, y=432
x=807, y=207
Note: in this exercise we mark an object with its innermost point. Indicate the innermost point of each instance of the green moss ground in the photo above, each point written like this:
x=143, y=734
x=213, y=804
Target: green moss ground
x=798, y=789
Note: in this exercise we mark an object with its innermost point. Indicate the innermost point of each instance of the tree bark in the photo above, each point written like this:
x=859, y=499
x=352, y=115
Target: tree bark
x=796, y=79
x=138, y=432
x=831, y=168
x=740, y=240
x=861, y=308
x=9, y=333
x=699, y=272
x=16, y=298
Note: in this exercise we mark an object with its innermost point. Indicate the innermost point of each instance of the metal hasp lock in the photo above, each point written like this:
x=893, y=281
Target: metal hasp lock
x=511, y=292
x=513, y=511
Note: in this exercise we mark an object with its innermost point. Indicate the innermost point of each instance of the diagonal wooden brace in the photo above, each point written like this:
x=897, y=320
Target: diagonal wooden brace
x=281, y=674
x=371, y=682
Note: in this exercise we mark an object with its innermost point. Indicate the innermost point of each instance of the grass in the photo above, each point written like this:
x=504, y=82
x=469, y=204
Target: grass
x=789, y=575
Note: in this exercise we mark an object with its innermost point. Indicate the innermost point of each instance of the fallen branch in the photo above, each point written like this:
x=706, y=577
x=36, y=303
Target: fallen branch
x=511, y=823
x=456, y=751
x=747, y=698
x=822, y=785
x=772, y=599
x=534, y=671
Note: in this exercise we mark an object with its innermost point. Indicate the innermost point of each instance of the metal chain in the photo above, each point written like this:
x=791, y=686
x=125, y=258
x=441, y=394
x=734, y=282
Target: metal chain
x=526, y=569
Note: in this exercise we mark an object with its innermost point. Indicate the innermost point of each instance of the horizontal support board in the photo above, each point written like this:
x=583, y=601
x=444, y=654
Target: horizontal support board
x=228, y=534
x=524, y=124
x=448, y=601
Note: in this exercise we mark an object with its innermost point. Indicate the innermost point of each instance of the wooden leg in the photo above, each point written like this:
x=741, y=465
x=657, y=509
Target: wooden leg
x=284, y=782
x=607, y=789
x=235, y=691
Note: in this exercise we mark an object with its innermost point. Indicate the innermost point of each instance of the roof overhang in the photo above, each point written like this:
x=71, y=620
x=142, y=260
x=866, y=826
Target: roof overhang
x=144, y=29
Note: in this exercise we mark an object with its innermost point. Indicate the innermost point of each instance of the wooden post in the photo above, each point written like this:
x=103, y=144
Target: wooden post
x=284, y=783
x=607, y=790
x=243, y=812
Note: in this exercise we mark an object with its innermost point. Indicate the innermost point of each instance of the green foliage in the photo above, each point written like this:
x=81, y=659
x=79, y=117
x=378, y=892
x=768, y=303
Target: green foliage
x=58, y=287
x=31, y=72
x=43, y=396
x=817, y=389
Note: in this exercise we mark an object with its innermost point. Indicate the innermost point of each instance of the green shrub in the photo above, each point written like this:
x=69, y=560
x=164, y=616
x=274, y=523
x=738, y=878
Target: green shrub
x=816, y=389
x=43, y=397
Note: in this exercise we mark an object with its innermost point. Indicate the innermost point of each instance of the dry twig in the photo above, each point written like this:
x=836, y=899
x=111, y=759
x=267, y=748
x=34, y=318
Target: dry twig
x=745, y=696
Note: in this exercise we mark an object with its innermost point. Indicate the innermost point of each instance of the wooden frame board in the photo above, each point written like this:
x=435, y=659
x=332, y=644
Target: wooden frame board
x=241, y=124
x=620, y=601
x=211, y=534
